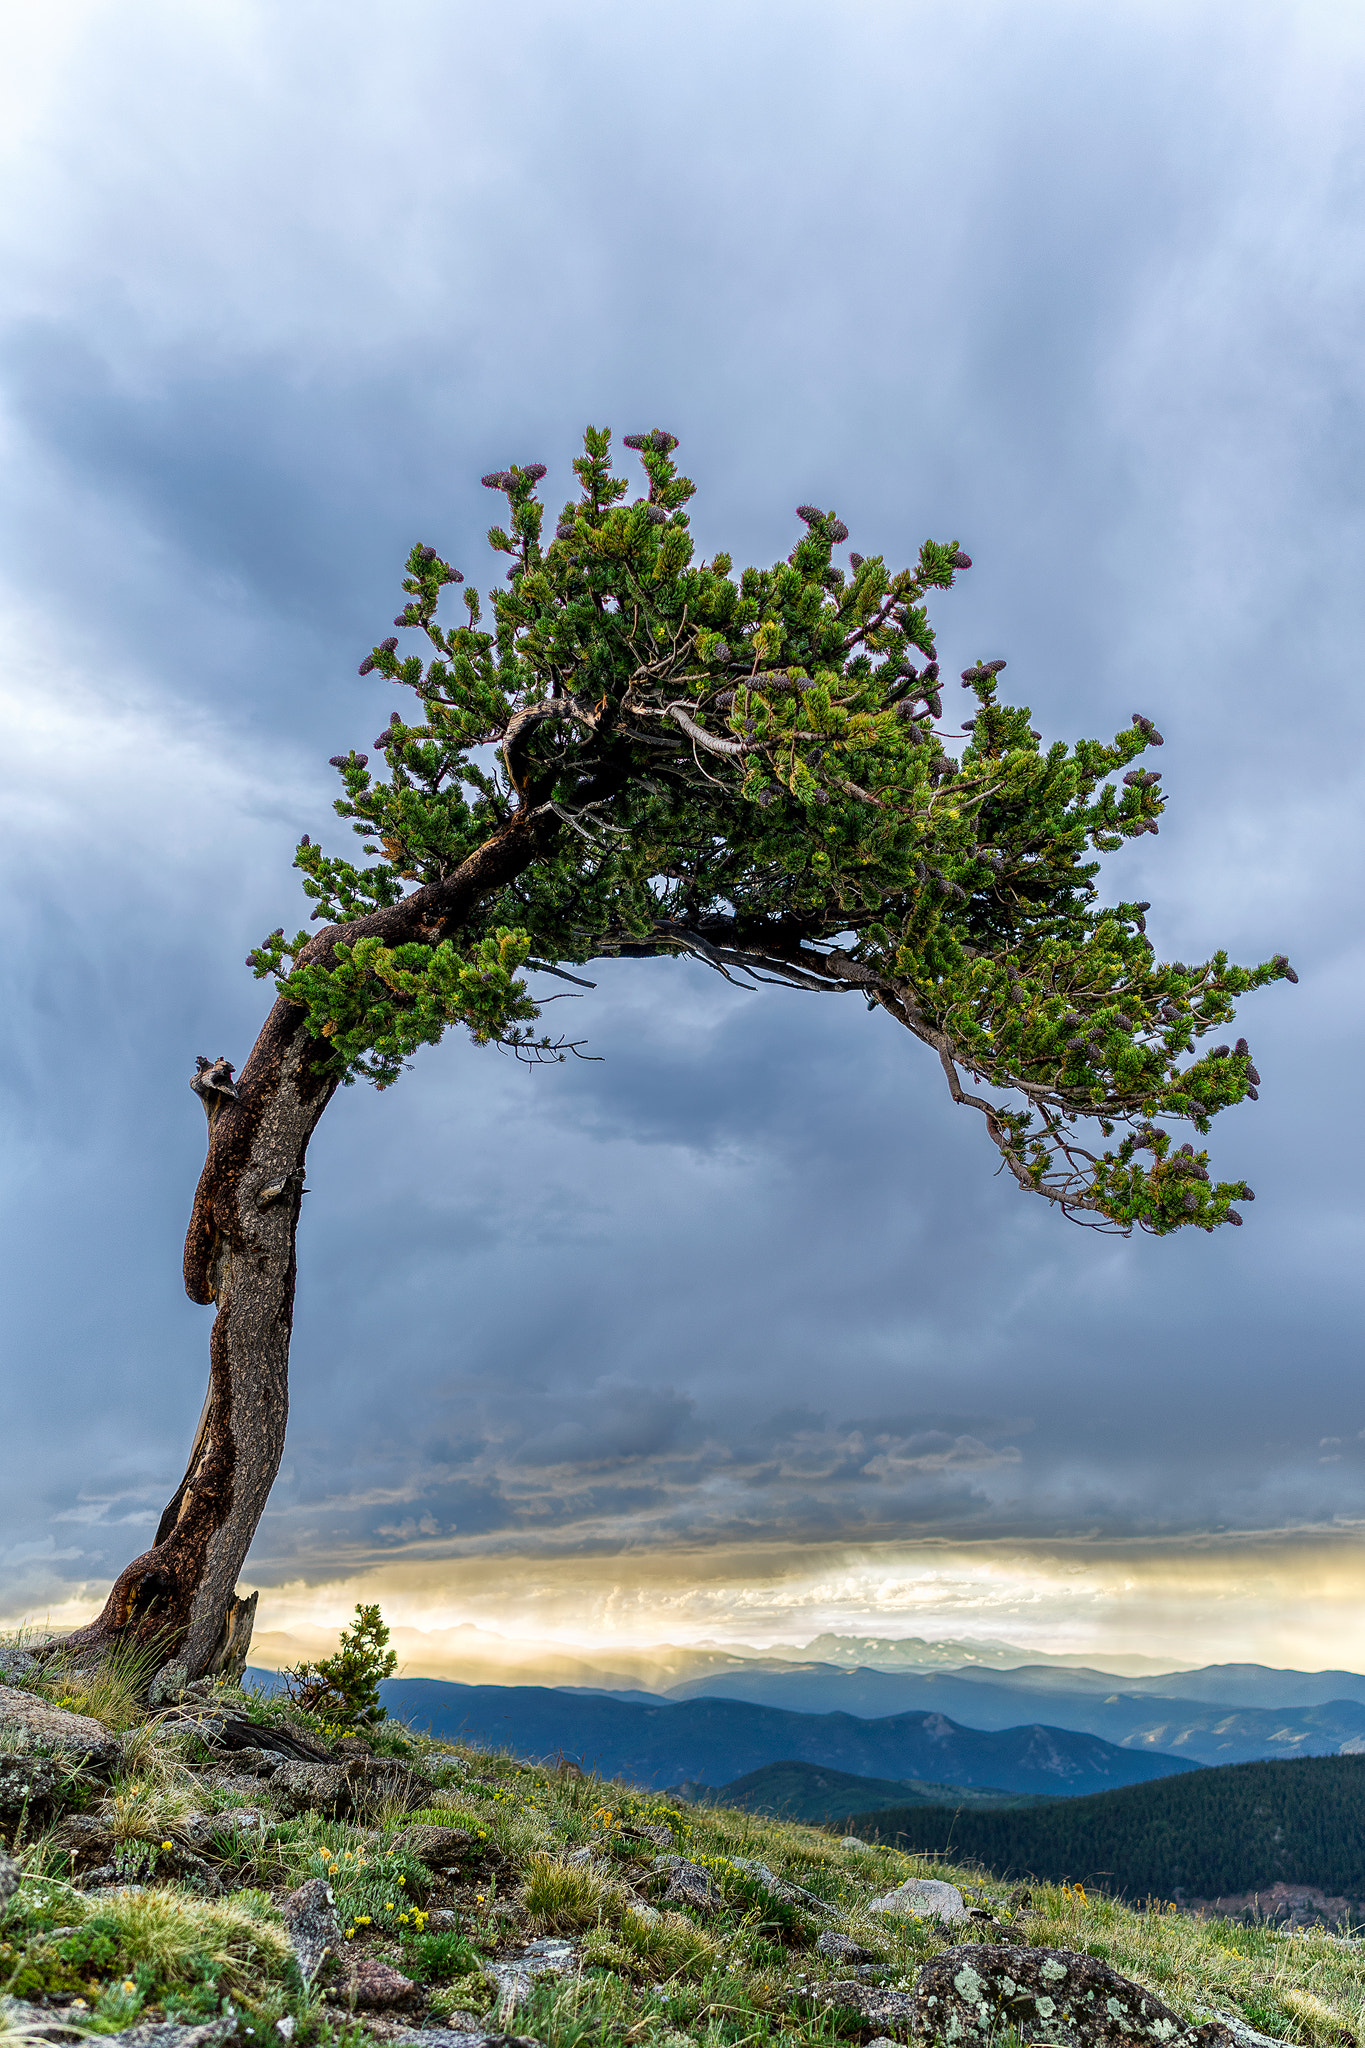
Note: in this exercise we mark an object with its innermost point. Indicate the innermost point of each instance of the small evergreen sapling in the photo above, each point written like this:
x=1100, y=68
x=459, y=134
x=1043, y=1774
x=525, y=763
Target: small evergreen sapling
x=343, y=1690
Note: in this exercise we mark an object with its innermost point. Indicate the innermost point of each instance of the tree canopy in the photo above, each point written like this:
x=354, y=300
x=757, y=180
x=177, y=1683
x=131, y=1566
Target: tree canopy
x=636, y=753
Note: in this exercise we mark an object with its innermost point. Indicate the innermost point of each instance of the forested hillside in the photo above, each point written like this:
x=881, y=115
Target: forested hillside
x=1202, y=1835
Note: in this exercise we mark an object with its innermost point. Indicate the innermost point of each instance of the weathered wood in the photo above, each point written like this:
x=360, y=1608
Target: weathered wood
x=180, y=1597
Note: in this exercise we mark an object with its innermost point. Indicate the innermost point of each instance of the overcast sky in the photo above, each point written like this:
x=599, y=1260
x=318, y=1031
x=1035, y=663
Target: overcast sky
x=744, y=1306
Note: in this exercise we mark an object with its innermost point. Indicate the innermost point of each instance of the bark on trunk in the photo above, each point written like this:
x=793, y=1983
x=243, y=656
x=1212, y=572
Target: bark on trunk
x=180, y=1596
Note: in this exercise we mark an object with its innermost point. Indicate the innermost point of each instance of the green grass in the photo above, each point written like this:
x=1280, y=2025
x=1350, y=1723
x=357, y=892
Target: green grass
x=654, y=1974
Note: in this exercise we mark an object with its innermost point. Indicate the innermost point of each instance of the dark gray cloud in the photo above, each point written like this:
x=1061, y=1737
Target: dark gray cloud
x=1080, y=288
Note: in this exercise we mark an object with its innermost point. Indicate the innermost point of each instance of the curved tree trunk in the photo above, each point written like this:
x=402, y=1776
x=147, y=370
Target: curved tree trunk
x=180, y=1599
x=180, y=1596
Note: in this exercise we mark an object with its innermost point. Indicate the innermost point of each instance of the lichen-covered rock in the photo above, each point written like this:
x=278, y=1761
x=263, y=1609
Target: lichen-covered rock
x=873, y=2003
x=310, y=1788
x=40, y=2023
x=378, y=1781
x=311, y=1923
x=373, y=1986
x=968, y=1995
x=439, y=1848
x=26, y=1782
x=37, y=1725
x=548, y=1957
x=9, y=1877
x=474, y=2037
x=690, y=1885
x=927, y=1898
x=841, y=1948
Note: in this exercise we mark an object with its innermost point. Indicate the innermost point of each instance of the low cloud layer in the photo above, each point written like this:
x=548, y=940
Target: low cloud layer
x=1081, y=291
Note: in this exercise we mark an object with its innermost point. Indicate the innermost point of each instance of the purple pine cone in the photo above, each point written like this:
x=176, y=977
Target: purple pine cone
x=1253, y=1077
x=390, y=644
x=1233, y=1217
x=366, y=665
x=565, y=530
x=662, y=440
x=810, y=513
x=339, y=761
x=453, y=576
x=534, y=470
x=496, y=480
x=961, y=561
x=656, y=515
x=855, y=561
x=635, y=441
x=838, y=533
x=1242, y=1049
x=427, y=554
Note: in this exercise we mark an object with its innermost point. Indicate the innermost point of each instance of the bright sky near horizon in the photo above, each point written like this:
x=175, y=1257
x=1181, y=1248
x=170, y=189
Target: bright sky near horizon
x=735, y=1334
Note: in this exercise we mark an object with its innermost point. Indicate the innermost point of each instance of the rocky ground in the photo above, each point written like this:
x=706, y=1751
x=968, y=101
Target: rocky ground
x=224, y=1871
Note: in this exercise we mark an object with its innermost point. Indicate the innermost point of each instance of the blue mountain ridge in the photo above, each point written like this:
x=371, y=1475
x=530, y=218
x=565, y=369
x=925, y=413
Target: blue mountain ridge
x=1132, y=1716
x=711, y=1740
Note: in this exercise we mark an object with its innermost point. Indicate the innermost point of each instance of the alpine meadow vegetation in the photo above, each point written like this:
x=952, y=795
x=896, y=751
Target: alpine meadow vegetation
x=624, y=751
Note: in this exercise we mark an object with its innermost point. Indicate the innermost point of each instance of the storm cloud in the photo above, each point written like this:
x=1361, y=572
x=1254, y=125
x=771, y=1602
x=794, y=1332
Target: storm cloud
x=1079, y=288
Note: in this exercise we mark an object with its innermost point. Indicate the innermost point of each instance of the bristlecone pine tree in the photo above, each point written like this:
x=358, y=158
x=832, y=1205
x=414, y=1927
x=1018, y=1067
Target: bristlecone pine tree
x=641, y=754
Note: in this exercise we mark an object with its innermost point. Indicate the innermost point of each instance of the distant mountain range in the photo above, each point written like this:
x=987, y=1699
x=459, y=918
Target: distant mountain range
x=1153, y=1714
x=1207, y=1835
x=810, y=1792
x=713, y=1741
x=476, y=1656
x=1215, y=1714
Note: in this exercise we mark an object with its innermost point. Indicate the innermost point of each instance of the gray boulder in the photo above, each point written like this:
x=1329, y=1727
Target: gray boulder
x=28, y=1781
x=310, y=1788
x=311, y=1923
x=969, y=1995
x=841, y=1948
x=375, y=1986
x=454, y=2037
x=926, y=1898
x=873, y=2003
x=15, y=1663
x=40, y=2023
x=439, y=1848
x=549, y=1957
x=690, y=1885
x=31, y=1723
